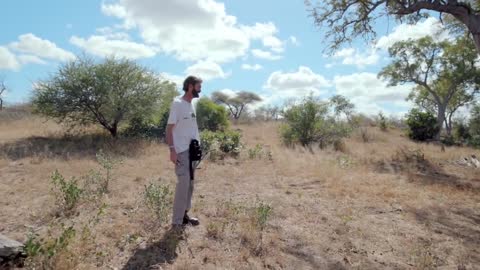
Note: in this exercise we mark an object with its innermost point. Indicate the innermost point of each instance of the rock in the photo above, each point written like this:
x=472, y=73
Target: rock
x=469, y=162
x=475, y=161
x=9, y=248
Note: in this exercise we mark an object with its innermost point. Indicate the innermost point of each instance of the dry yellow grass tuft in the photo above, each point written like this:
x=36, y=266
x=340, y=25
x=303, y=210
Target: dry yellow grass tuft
x=381, y=203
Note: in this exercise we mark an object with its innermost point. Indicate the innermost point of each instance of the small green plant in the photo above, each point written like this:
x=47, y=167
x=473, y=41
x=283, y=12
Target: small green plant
x=263, y=212
x=32, y=246
x=68, y=193
x=158, y=198
x=108, y=163
x=215, y=230
x=256, y=152
x=42, y=252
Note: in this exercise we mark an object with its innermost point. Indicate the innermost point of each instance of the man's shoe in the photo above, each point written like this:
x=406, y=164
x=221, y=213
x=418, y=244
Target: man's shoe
x=190, y=220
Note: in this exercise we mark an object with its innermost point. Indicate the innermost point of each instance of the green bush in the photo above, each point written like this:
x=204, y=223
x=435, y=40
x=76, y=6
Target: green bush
x=42, y=252
x=263, y=211
x=461, y=132
x=159, y=199
x=474, y=127
x=221, y=144
x=211, y=116
x=67, y=192
x=422, y=125
x=310, y=122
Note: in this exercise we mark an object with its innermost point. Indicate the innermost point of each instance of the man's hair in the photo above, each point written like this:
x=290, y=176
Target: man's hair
x=190, y=80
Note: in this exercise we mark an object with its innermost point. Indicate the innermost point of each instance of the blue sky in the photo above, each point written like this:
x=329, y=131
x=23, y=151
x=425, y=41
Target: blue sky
x=268, y=47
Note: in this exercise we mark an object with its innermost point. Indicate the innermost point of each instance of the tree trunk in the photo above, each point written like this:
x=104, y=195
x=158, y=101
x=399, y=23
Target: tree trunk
x=440, y=120
x=1, y=104
x=476, y=39
x=113, y=129
x=448, y=124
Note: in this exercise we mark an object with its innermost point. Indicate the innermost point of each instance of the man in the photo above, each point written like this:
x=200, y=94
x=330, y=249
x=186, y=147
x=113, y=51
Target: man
x=181, y=130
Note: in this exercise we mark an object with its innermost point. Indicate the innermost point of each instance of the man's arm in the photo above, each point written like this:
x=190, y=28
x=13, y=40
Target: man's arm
x=173, y=153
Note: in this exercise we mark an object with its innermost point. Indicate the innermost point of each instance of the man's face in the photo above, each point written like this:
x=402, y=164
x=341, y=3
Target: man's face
x=197, y=88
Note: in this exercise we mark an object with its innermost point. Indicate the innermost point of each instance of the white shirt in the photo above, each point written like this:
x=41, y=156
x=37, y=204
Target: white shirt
x=183, y=116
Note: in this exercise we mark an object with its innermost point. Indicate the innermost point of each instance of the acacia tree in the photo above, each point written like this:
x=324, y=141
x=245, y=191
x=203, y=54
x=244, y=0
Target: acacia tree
x=445, y=73
x=349, y=19
x=108, y=93
x=236, y=104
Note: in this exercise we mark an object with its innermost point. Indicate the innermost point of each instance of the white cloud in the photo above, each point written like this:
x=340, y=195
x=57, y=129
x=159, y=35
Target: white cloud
x=111, y=33
x=273, y=43
x=31, y=44
x=265, y=55
x=8, y=60
x=191, y=30
x=178, y=80
x=429, y=27
x=251, y=67
x=228, y=92
x=27, y=59
x=294, y=84
x=294, y=40
x=206, y=70
x=102, y=46
x=260, y=30
x=369, y=93
x=351, y=56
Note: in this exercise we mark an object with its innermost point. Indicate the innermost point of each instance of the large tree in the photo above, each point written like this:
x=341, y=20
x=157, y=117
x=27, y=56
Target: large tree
x=236, y=104
x=85, y=92
x=423, y=99
x=3, y=88
x=444, y=73
x=349, y=19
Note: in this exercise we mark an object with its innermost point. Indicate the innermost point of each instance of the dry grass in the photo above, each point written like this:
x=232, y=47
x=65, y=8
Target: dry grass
x=388, y=203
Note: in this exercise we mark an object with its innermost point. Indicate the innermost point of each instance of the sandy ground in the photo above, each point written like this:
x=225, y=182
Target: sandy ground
x=386, y=204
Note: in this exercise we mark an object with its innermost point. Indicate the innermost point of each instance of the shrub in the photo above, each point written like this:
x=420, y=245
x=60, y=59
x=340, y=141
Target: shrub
x=263, y=212
x=46, y=253
x=221, y=144
x=461, y=132
x=211, y=116
x=474, y=127
x=67, y=192
x=158, y=198
x=310, y=121
x=422, y=125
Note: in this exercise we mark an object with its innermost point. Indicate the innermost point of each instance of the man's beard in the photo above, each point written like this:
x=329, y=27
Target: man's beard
x=195, y=93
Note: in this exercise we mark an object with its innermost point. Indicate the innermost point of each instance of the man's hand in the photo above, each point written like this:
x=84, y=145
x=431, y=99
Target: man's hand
x=173, y=156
